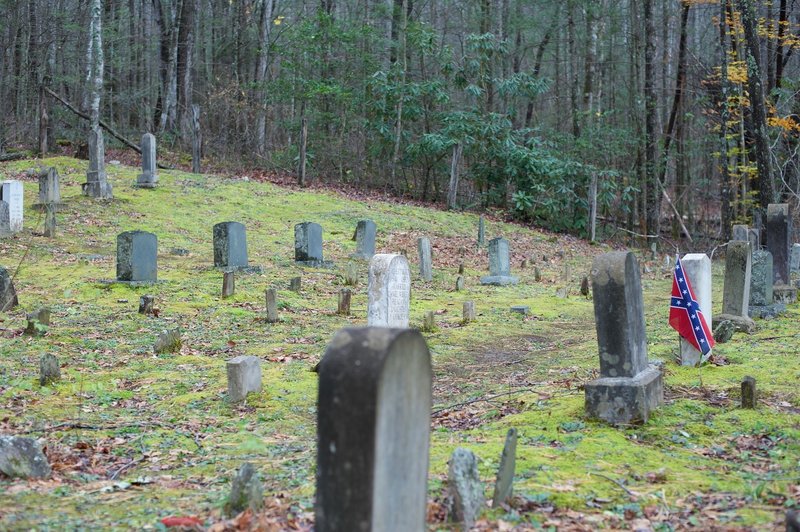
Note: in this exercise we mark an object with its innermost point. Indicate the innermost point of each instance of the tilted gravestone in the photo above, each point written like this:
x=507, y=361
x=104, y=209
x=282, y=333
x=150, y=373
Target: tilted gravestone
x=504, y=483
x=137, y=256
x=629, y=388
x=49, y=188
x=388, y=291
x=8, y=295
x=499, y=264
x=761, y=301
x=425, y=258
x=5, y=220
x=373, y=423
x=149, y=176
x=230, y=245
x=697, y=269
x=744, y=233
x=22, y=458
x=779, y=234
x=365, y=239
x=12, y=193
x=464, y=487
x=244, y=376
x=97, y=185
x=308, y=244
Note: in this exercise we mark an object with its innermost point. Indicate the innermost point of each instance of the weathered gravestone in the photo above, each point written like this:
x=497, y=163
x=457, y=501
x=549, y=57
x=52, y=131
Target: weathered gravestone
x=389, y=291
x=744, y=233
x=697, y=269
x=629, y=388
x=749, y=399
x=761, y=300
x=22, y=458
x=5, y=220
x=137, y=256
x=8, y=295
x=247, y=491
x=481, y=232
x=50, y=220
x=49, y=369
x=736, y=288
x=244, y=376
x=308, y=244
x=468, y=311
x=504, y=483
x=49, y=189
x=271, y=299
x=499, y=264
x=425, y=258
x=343, y=307
x=228, y=284
x=12, y=193
x=464, y=487
x=168, y=342
x=230, y=245
x=779, y=234
x=373, y=423
x=97, y=185
x=794, y=262
x=149, y=176
x=365, y=239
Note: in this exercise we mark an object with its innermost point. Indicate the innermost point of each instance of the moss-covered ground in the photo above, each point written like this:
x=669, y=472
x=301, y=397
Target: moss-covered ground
x=134, y=437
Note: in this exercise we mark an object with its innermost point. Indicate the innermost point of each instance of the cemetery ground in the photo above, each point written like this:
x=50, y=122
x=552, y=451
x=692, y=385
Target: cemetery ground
x=135, y=437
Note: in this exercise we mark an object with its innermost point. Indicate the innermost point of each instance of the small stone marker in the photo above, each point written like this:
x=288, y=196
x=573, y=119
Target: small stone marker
x=504, y=484
x=748, y=392
x=794, y=262
x=308, y=244
x=425, y=258
x=459, y=283
x=585, y=286
x=11, y=192
x=351, y=274
x=521, y=309
x=271, y=296
x=537, y=274
x=373, y=423
x=168, y=342
x=294, y=284
x=344, y=302
x=461, y=268
x=464, y=487
x=784, y=294
x=149, y=176
x=468, y=311
x=629, y=388
x=38, y=322
x=724, y=332
x=228, y=284
x=146, y=303
x=8, y=295
x=230, y=245
x=697, y=269
x=244, y=376
x=365, y=239
x=562, y=292
x=499, y=264
x=738, y=270
x=744, y=233
x=779, y=234
x=481, y=232
x=247, y=491
x=5, y=220
x=761, y=297
x=389, y=291
x=50, y=221
x=97, y=185
x=49, y=370
x=137, y=256
x=49, y=188
x=22, y=458
x=429, y=323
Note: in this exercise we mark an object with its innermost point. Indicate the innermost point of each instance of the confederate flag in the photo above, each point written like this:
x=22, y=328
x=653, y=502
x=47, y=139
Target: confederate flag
x=685, y=315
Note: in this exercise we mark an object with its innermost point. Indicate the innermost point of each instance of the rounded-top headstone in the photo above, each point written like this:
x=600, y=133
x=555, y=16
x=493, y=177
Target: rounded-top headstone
x=388, y=293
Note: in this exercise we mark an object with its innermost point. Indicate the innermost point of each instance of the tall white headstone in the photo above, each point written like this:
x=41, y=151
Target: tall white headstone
x=697, y=268
x=389, y=291
x=12, y=193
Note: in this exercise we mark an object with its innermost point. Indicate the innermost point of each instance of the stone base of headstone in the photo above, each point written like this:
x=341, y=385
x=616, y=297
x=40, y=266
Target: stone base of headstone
x=244, y=376
x=22, y=458
x=325, y=264
x=499, y=280
x=247, y=491
x=521, y=309
x=742, y=323
x=625, y=400
x=97, y=190
x=766, y=311
x=145, y=181
x=785, y=294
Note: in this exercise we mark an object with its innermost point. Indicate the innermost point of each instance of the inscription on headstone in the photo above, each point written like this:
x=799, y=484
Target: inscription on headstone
x=388, y=292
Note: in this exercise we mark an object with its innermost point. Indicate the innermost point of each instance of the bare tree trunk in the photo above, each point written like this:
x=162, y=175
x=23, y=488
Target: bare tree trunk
x=653, y=192
x=725, y=179
x=197, y=139
x=452, y=190
x=301, y=173
x=265, y=30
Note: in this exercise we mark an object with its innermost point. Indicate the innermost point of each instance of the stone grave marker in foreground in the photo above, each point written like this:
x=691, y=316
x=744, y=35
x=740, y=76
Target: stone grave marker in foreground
x=389, y=291
x=697, y=268
x=137, y=253
x=149, y=176
x=761, y=299
x=373, y=423
x=8, y=295
x=499, y=264
x=736, y=289
x=308, y=244
x=230, y=245
x=11, y=192
x=425, y=258
x=629, y=388
x=365, y=239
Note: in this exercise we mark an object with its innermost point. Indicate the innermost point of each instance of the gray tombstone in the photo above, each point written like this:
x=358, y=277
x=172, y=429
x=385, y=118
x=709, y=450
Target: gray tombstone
x=8, y=295
x=230, y=245
x=794, y=263
x=736, y=290
x=49, y=188
x=308, y=244
x=365, y=239
x=629, y=388
x=22, y=458
x=388, y=291
x=697, y=269
x=49, y=369
x=779, y=235
x=97, y=185
x=373, y=424
x=425, y=258
x=481, y=231
x=12, y=193
x=761, y=287
x=5, y=220
x=149, y=176
x=247, y=491
x=244, y=376
x=744, y=233
x=499, y=264
x=464, y=487
x=504, y=483
x=137, y=256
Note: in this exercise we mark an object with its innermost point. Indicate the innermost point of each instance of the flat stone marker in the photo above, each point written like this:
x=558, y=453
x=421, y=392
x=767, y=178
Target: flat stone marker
x=629, y=388
x=365, y=239
x=697, y=269
x=271, y=297
x=464, y=487
x=521, y=309
x=49, y=369
x=761, y=299
x=308, y=244
x=22, y=458
x=504, y=484
x=8, y=295
x=779, y=234
x=738, y=270
x=389, y=291
x=468, y=311
x=499, y=264
x=49, y=188
x=230, y=245
x=373, y=423
x=137, y=256
x=149, y=176
x=11, y=192
x=97, y=185
x=794, y=262
x=244, y=376
x=247, y=491
x=425, y=258
x=228, y=284
x=5, y=220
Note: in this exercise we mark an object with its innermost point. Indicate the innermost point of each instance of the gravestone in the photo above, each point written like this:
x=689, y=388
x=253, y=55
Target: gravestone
x=429, y=321
x=749, y=392
x=738, y=270
x=294, y=284
x=49, y=189
x=481, y=231
x=146, y=303
x=521, y=309
x=425, y=258
x=228, y=284
x=761, y=298
x=459, y=283
x=244, y=376
x=308, y=244
x=22, y=458
x=137, y=257
x=168, y=342
x=468, y=311
x=49, y=370
x=8, y=295
x=697, y=269
x=779, y=234
x=230, y=245
x=629, y=388
x=247, y=491
x=464, y=487
x=499, y=264
x=97, y=185
x=794, y=263
x=5, y=220
x=149, y=176
x=344, y=302
x=50, y=220
x=365, y=239
x=12, y=193
x=271, y=297
x=389, y=291
x=504, y=483
x=351, y=274
x=373, y=423
x=744, y=233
